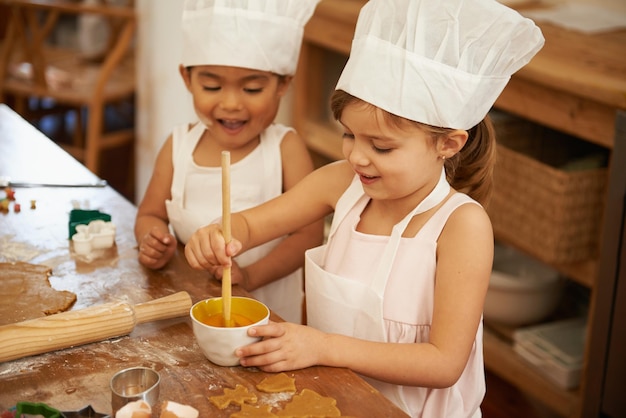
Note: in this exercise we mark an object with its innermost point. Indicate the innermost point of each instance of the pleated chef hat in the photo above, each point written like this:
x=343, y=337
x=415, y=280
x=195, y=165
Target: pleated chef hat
x=263, y=35
x=442, y=63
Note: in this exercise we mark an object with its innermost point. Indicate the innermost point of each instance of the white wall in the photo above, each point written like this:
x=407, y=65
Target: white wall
x=162, y=100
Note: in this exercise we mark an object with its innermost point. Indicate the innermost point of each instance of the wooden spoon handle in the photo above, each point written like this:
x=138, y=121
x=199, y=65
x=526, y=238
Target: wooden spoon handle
x=226, y=276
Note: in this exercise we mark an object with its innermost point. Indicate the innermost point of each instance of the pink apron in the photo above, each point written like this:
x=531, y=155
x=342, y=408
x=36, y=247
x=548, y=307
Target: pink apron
x=342, y=306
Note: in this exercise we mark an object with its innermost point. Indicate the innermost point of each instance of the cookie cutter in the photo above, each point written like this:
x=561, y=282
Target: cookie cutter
x=134, y=384
x=86, y=412
x=81, y=216
x=36, y=409
x=96, y=235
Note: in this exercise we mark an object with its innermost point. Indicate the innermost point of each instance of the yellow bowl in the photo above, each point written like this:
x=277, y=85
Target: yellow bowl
x=217, y=342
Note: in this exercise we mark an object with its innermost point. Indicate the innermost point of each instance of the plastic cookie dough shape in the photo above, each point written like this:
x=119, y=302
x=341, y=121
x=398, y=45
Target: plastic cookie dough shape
x=96, y=235
x=239, y=396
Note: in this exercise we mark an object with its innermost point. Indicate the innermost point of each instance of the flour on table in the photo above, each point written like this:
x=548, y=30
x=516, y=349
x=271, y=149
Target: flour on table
x=16, y=251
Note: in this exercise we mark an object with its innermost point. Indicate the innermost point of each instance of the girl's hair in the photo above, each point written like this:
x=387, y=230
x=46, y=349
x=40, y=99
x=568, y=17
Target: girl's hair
x=469, y=171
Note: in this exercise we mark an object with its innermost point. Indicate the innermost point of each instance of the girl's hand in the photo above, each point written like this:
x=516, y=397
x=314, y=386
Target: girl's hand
x=238, y=275
x=285, y=346
x=156, y=248
x=206, y=250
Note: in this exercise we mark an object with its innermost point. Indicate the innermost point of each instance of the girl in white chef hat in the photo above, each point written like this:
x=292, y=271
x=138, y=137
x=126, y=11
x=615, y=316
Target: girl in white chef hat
x=397, y=292
x=238, y=60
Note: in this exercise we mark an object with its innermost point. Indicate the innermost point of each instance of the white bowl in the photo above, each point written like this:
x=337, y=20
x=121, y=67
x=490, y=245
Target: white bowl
x=522, y=290
x=217, y=342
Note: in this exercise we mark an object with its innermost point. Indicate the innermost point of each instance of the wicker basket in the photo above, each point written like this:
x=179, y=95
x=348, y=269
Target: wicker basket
x=551, y=213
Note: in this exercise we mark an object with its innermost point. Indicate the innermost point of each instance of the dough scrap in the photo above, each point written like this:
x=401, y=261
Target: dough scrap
x=136, y=409
x=171, y=409
x=238, y=396
x=250, y=411
x=277, y=383
x=310, y=404
x=27, y=294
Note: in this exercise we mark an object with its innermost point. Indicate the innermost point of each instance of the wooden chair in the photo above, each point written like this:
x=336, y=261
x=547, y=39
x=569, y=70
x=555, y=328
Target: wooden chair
x=33, y=68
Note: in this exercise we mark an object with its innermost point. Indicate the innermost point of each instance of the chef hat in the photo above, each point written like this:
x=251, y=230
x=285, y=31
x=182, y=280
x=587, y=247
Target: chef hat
x=442, y=63
x=263, y=35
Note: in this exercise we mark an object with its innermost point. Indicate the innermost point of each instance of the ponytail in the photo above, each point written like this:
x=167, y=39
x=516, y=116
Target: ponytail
x=471, y=170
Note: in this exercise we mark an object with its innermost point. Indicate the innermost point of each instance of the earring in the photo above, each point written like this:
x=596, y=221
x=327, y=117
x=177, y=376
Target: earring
x=443, y=157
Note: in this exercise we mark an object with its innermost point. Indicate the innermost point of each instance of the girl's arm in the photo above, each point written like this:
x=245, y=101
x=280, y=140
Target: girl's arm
x=288, y=255
x=465, y=252
x=156, y=243
x=308, y=201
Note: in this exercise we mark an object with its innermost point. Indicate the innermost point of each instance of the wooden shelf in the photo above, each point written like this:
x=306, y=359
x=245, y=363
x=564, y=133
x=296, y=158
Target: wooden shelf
x=506, y=363
x=333, y=25
x=325, y=139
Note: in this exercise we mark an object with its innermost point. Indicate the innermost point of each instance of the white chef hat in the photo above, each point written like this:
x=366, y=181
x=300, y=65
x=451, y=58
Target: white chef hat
x=442, y=63
x=263, y=35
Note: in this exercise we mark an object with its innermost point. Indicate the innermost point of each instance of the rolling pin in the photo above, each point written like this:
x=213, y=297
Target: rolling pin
x=96, y=323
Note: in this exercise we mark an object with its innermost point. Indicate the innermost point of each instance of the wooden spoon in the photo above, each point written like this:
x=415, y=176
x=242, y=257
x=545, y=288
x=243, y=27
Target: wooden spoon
x=226, y=277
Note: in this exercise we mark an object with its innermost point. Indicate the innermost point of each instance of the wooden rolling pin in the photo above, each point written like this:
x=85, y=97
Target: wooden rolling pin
x=96, y=323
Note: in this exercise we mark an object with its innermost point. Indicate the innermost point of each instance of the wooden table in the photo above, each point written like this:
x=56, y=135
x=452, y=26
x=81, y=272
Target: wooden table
x=73, y=378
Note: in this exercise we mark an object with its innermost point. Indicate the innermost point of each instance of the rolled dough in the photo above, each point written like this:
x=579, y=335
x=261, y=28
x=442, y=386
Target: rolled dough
x=27, y=294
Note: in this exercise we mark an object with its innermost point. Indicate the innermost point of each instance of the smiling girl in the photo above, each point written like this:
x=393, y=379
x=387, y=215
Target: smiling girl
x=237, y=70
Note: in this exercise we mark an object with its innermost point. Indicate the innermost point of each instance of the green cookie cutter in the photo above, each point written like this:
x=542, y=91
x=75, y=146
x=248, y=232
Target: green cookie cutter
x=37, y=409
x=83, y=217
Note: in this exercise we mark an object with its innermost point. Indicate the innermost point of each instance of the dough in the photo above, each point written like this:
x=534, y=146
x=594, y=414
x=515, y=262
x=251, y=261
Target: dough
x=310, y=404
x=136, y=409
x=249, y=411
x=175, y=410
x=27, y=294
x=238, y=396
x=306, y=404
x=277, y=383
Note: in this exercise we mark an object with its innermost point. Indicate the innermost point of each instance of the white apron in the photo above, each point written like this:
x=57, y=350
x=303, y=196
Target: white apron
x=254, y=180
x=342, y=306
x=183, y=221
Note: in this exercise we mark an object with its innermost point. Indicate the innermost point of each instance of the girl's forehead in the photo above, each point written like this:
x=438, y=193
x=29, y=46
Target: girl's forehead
x=363, y=115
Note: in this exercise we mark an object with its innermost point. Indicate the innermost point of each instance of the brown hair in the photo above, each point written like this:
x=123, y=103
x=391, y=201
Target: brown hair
x=469, y=171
